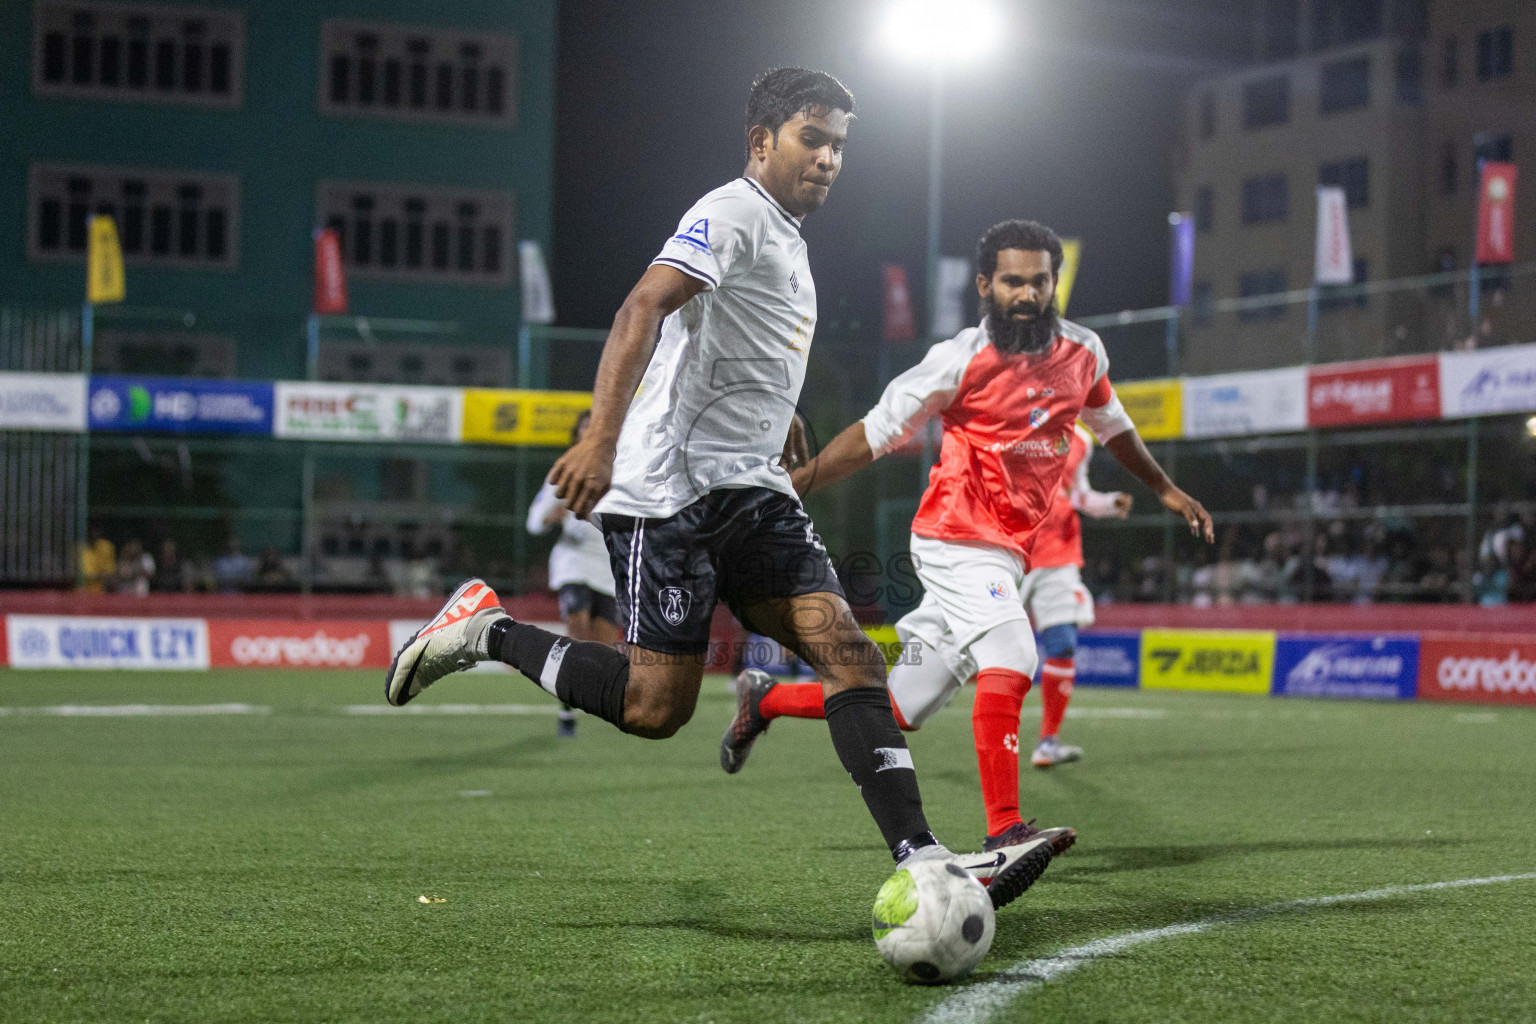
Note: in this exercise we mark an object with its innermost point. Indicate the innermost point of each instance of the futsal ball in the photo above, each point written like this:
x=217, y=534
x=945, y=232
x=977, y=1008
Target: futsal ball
x=933, y=922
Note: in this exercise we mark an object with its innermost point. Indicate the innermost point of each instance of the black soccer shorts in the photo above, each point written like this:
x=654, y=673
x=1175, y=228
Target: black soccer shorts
x=578, y=597
x=740, y=545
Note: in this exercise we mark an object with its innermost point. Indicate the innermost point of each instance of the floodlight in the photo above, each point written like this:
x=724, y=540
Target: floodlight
x=942, y=31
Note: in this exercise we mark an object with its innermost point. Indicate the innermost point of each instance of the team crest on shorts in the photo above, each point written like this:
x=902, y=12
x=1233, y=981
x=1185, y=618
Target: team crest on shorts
x=998, y=589
x=675, y=602
x=1038, y=416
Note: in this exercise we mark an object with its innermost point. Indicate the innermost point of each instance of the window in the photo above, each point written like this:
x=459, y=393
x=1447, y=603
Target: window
x=1262, y=282
x=409, y=73
x=1410, y=18
x=1448, y=165
x=138, y=52
x=1354, y=176
x=1330, y=301
x=1488, y=146
x=1207, y=115
x=1265, y=199
x=1495, y=53
x=421, y=232
x=1410, y=74
x=1205, y=208
x=1282, y=29
x=168, y=218
x=1449, y=64
x=1342, y=22
x=1346, y=85
x=1266, y=102
x=1200, y=300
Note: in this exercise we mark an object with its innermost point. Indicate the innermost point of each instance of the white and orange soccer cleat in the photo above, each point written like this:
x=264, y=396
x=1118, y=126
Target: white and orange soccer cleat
x=449, y=643
x=1051, y=753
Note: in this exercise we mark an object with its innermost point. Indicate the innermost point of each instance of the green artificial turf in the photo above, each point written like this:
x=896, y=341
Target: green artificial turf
x=267, y=867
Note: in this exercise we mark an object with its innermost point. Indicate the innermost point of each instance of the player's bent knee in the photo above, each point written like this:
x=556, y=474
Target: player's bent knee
x=1059, y=641
x=655, y=720
x=1008, y=645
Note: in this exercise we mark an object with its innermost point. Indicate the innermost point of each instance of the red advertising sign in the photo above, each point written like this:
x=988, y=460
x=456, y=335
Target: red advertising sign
x=330, y=282
x=1373, y=391
x=897, y=321
x=1496, y=214
x=1489, y=668
x=296, y=643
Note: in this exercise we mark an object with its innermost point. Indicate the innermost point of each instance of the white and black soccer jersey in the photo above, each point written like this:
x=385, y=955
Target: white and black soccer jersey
x=714, y=406
x=579, y=555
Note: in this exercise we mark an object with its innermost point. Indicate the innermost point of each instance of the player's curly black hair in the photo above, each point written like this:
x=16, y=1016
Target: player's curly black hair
x=1028, y=235
x=781, y=93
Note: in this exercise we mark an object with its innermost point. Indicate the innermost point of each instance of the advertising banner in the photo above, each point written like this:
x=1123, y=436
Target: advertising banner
x=1071, y=259
x=1491, y=381
x=42, y=401
x=1107, y=657
x=367, y=412
x=104, y=280
x=538, y=296
x=60, y=641
x=180, y=405
x=1374, y=391
x=1228, y=660
x=1233, y=404
x=955, y=292
x=1334, y=261
x=1338, y=665
x=298, y=643
x=330, y=279
x=897, y=322
x=1155, y=406
x=1181, y=258
x=1482, y=667
x=532, y=418
x=1496, y=213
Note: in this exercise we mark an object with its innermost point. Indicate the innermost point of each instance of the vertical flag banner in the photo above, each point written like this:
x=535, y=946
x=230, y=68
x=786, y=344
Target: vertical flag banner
x=1182, y=258
x=1335, y=263
x=330, y=281
x=1496, y=214
x=896, y=320
x=1071, y=256
x=104, y=278
x=538, y=296
x=954, y=283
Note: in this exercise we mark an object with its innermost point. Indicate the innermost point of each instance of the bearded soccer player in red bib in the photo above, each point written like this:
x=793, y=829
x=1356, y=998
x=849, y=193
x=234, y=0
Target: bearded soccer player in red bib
x=1009, y=393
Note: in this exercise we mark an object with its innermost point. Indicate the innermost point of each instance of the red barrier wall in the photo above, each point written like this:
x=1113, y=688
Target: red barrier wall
x=1326, y=618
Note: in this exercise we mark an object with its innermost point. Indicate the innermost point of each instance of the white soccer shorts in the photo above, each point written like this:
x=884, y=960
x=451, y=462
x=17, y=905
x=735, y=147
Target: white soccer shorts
x=1057, y=597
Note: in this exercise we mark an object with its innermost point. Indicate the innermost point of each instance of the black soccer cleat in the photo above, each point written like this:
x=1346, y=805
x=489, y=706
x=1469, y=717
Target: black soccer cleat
x=749, y=722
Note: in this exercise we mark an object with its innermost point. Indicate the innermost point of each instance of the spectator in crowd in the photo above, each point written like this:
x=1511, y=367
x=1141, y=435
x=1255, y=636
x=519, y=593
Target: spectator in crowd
x=135, y=568
x=1522, y=572
x=234, y=569
x=272, y=575
x=98, y=561
x=172, y=574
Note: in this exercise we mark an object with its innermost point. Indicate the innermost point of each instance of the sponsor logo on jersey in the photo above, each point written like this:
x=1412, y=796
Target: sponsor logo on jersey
x=998, y=589
x=1032, y=447
x=674, y=602
x=1063, y=444
x=1038, y=416
x=794, y=283
x=697, y=235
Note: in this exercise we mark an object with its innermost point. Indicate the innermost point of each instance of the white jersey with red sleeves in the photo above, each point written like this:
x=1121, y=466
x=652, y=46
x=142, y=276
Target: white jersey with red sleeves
x=1008, y=425
x=1059, y=540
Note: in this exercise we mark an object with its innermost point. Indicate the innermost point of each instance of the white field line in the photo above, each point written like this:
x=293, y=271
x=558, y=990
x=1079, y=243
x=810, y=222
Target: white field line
x=1091, y=712
x=138, y=710
x=454, y=709
x=978, y=1002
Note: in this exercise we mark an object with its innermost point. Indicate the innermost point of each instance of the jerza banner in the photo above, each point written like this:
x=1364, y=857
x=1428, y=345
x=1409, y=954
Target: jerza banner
x=1229, y=660
x=363, y=412
x=535, y=418
x=1384, y=667
x=1376, y=391
x=57, y=641
x=1491, y=381
x=181, y=406
x=1155, y=406
x=1487, y=668
x=42, y=401
x=1232, y=404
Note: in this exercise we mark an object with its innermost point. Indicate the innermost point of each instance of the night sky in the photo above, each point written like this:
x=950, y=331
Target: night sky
x=1074, y=120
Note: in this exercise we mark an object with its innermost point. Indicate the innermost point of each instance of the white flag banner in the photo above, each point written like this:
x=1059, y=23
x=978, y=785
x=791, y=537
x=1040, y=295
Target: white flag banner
x=538, y=296
x=1335, y=260
x=954, y=284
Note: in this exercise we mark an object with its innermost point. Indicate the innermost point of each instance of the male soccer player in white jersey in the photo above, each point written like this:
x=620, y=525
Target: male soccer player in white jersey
x=1009, y=393
x=693, y=401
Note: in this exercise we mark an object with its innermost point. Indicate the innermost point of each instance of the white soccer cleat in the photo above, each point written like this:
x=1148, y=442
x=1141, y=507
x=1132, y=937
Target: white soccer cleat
x=1009, y=870
x=446, y=644
x=1050, y=753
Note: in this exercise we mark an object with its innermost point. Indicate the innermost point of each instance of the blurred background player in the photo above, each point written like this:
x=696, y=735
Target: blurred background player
x=578, y=572
x=1009, y=393
x=1054, y=596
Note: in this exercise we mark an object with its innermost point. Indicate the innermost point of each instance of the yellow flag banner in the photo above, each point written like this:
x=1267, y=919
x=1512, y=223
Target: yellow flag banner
x=1071, y=256
x=1155, y=406
x=104, y=279
x=538, y=419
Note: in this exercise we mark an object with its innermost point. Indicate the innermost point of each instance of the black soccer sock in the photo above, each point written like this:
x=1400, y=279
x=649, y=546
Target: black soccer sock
x=586, y=675
x=872, y=749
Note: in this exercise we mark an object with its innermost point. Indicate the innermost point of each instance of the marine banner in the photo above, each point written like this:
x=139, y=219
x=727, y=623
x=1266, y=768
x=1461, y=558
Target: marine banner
x=1488, y=382
x=1382, y=667
x=1229, y=660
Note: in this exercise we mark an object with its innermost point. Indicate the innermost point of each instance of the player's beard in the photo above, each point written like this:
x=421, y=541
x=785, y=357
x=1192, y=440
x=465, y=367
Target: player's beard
x=1015, y=336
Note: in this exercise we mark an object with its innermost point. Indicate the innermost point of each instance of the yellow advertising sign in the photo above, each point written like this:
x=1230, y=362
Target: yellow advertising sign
x=540, y=419
x=1229, y=660
x=1155, y=406
x=1071, y=256
x=104, y=280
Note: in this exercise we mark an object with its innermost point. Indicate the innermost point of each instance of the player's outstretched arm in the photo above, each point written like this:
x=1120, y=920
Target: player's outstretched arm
x=581, y=476
x=1130, y=452
x=848, y=453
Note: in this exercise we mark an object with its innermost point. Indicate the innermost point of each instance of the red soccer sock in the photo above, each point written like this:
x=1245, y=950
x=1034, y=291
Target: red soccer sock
x=995, y=722
x=804, y=700
x=1055, y=691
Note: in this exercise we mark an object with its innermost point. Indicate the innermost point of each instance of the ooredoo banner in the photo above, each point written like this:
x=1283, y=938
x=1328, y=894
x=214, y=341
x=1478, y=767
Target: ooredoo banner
x=1233, y=404
x=1489, y=381
x=1376, y=391
x=1487, y=668
x=1339, y=665
x=69, y=641
x=292, y=643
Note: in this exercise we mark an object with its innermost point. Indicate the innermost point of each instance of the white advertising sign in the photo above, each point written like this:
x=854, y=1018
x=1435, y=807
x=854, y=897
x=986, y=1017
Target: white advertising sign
x=365, y=412
x=954, y=286
x=1232, y=404
x=42, y=401
x=1492, y=381
x=68, y=641
x=1335, y=262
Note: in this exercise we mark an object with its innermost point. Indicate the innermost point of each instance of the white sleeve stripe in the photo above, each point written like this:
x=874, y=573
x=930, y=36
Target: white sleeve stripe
x=685, y=268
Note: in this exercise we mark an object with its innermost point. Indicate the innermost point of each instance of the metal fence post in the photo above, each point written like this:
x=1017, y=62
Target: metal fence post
x=1472, y=438
x=1309, y=556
